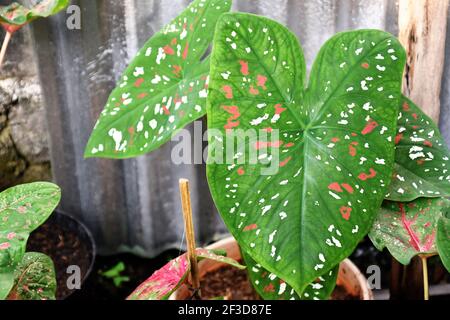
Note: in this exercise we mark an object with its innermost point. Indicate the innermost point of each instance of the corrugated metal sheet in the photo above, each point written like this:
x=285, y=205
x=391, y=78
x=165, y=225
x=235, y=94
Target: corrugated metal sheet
x=134, y=205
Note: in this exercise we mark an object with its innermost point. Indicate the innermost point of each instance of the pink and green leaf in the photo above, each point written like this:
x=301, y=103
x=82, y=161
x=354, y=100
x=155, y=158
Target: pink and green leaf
x=211, y=255
x=408, y=229
x=443, y=240
x=163, y=89
x=25, y=207
x=335, y=151
x=422, y=159
x=15, y=16
x=34, y=278
x=270, y=287
x=170, y=277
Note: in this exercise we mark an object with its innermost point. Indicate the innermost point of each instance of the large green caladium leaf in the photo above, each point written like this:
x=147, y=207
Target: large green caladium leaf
x=25, y=207
x=422, y=159
x=163, y=89
x=443, y=240
x=334, y=153
x=15, y=16
x=34, y=278
x=171, y=276
x=408, y=229
x=270, y=287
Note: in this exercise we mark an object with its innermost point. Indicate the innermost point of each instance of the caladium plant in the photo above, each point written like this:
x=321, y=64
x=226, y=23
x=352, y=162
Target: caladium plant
x=23, y=209
x=340, y=143
x=170, y=277
x=15, y=16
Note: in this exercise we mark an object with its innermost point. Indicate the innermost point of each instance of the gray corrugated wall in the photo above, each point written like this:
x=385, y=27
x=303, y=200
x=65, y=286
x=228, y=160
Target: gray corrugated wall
x=134, y=205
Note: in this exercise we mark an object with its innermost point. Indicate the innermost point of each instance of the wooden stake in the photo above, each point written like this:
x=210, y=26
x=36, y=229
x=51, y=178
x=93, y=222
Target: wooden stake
x=190, y=235
x=423, y=26
x=4, y=47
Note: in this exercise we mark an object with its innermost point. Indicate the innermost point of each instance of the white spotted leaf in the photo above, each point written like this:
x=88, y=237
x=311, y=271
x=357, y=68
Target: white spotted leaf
x=34, y=278
x=163, y=282
x=25, y=207
x=422, y=159
x=325, y=153
x=270, y=287
x=162, y=90
x=408, y=229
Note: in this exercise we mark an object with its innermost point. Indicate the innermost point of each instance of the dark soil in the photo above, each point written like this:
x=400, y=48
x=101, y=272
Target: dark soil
x=65, y=249
x=137, y=269
x=233, y=284
x=227, y=282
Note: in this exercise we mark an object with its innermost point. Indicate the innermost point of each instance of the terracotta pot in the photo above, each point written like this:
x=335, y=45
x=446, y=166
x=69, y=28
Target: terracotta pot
x=349, y=275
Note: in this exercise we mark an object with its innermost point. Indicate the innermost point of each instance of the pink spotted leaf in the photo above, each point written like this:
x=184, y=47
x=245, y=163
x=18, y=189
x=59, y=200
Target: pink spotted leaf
x=12, y=250
x=325, y=152
x=25, y=207
x=171, y=276
x=34, y=278
x=422, y=159
x=408, y=229
x=163, y=89
x=270, y=287
x=15, y=16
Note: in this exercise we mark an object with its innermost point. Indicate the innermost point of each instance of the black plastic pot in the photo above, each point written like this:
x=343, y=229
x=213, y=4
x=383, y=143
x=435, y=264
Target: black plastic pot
x=69, y=243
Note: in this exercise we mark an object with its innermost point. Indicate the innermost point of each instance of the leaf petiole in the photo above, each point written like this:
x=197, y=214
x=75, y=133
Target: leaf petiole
x=6, y=41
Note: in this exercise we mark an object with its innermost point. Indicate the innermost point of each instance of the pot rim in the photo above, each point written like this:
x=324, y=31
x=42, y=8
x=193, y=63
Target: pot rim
x=350, y=268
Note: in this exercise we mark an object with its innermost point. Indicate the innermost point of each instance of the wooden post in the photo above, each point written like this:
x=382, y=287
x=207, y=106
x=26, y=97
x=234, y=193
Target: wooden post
x=422, y=27
x=422, y=31
x=190, y=235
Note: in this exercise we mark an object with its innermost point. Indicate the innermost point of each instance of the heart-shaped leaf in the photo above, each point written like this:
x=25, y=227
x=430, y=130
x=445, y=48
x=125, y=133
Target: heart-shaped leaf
x=15, y=16
x=334, y=154
x=34, y=278
x=422, y=159
x=408, y=229
x=270, y=287
x=25, y=207
x=163, y=89
x=443, y=240
x=12, y=249
x=169, y=278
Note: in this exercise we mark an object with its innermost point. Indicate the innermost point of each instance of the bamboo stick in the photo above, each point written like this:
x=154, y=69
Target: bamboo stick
x=190, y=235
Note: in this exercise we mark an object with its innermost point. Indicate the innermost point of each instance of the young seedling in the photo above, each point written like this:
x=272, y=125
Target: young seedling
x=115, y=273
x=23, y=209
x=15, y=16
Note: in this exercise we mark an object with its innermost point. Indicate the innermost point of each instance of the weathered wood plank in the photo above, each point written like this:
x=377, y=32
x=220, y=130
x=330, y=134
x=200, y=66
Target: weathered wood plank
x=422, y=31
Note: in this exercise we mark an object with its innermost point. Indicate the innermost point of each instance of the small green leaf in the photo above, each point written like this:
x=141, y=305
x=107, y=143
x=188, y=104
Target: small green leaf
x=422, y=159
x=25, y=207
x=15, y=16
x=443, y=241
x=408, y=229
x=163, y=89
x=35, y=278
x=334, y=154
x=211, y=255
x=270, y=287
